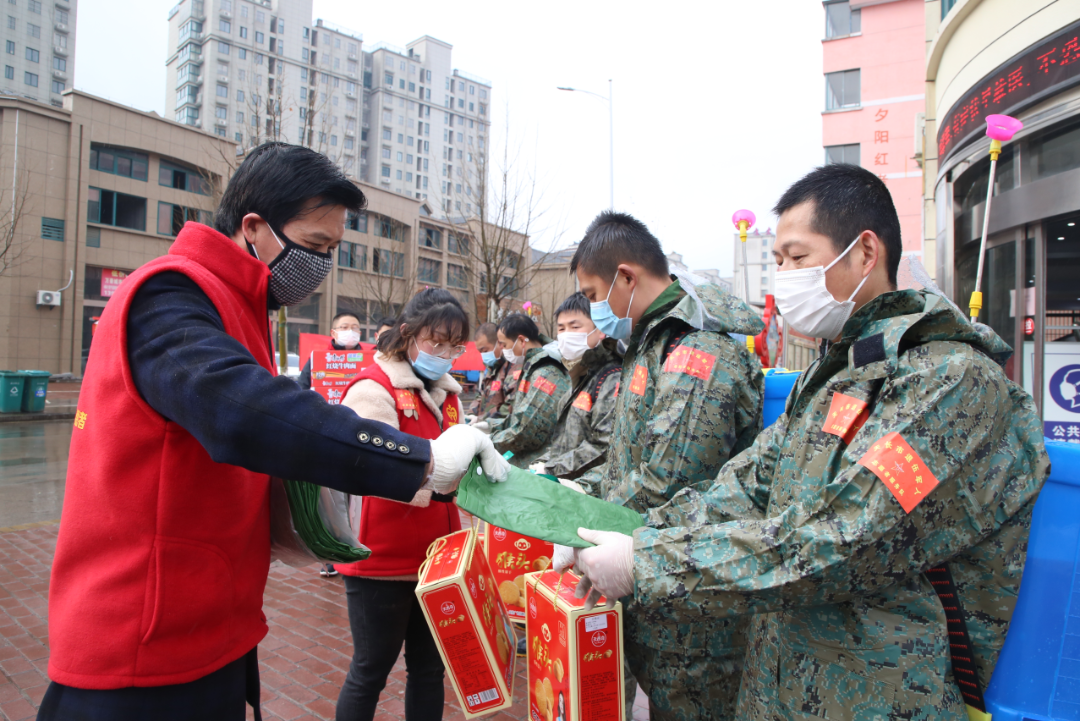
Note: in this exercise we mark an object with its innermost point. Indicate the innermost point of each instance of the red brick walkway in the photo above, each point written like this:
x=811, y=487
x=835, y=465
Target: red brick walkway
x=303, y=659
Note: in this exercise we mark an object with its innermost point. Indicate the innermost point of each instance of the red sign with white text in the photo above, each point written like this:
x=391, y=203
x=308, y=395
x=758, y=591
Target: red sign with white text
x=111, y=280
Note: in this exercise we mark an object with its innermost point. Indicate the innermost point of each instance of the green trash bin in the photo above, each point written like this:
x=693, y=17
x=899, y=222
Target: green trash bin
x=11, y=391
x=35, y=387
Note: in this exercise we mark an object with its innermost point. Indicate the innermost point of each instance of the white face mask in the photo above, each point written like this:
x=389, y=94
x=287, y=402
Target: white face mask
x=347, y=338
x=807, y=304
x=572, y=345
x=508, y=354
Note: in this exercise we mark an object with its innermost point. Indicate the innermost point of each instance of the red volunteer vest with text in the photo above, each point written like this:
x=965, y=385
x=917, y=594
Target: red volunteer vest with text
x=399, y=534
x=162, y=554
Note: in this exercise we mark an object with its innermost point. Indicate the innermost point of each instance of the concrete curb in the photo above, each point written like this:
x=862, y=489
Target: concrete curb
x=36, y=417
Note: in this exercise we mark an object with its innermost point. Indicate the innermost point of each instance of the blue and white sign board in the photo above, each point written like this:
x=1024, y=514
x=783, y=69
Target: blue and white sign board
x=1061, y=388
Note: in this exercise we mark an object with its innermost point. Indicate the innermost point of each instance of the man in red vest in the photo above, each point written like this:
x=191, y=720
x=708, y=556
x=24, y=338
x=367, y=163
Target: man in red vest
x=155, y=605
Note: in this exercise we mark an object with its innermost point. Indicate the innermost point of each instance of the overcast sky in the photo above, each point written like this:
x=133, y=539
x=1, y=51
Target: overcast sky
x=716, y=105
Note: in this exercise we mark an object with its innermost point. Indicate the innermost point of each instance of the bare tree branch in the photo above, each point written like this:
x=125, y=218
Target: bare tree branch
x=12, y=246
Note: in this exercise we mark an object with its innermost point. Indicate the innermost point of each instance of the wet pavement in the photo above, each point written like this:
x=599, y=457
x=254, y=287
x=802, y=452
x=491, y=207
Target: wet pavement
x=33, y=464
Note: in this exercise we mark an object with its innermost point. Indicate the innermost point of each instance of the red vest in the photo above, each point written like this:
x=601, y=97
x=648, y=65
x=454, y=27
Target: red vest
x=162, y=554
x=399, y=534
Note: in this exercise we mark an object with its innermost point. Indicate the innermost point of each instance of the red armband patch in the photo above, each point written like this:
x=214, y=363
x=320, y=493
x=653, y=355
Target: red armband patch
x=846, y=416
x=523, y=386
x=496, y=386
x=583, y=402
x=899, y=467
x=691, y=361
x=616, y=389
x=545, y=386
x=640, y=379
x=517, y=374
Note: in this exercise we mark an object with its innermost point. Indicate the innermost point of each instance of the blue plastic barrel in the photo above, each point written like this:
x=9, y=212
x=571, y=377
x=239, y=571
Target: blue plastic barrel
x=778, y=385
x=1037, y=677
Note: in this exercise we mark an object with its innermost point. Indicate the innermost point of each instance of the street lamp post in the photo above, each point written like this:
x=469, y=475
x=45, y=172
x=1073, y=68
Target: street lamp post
x=611, y=135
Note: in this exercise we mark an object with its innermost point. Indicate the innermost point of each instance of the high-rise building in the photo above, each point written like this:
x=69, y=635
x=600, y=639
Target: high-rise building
x=258, y=70
x=39, y=48
x=760, y=264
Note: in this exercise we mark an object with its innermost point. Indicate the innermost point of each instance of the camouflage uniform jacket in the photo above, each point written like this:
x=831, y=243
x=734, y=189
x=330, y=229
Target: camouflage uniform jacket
x=543, y=384
x=850, y=627
x=681, y=413
x=581, y=437
x=496, y=393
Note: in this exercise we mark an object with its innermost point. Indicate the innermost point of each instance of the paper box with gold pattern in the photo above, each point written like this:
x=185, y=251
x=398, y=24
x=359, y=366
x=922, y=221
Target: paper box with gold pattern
x=461, y=603
x=512, y=555
x=575, y=657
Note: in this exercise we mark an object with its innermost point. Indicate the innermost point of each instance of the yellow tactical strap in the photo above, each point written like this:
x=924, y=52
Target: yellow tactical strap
x=975, y=714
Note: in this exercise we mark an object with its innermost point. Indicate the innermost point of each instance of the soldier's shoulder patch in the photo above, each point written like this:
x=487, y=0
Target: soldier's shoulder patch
x=496, y=386
x=846, y=416
x=405, y=399
x=895, y=462
x=583, y=402
x=523, y=386
x=517, y=374
x=868, y=350
x=543, y=385
x=639, y=381
x=691, y=361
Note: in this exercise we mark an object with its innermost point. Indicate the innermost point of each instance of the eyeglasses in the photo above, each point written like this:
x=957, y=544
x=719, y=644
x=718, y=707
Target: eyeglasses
x=441, y=350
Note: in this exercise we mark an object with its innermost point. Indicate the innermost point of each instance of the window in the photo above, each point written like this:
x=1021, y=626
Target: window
x=386, y=262
x=260, y=16
x=171, y=217
x=456, y=276
x=220, y=111
x=357, y=222
x=386, y=228
x=842, y=154
x=457, y=244
x=946, y=6
x=30, y=79
x=352, y=255
x=430, y=238
x=33, y=31
x=34, y=5
x=119, y=161
x=243, y=32
x=58, y=86
x=189, y=29
x=385, y=172
x=93, y=237
x=222, y=91
x=172, y=176
x=428, y=271
x=841, y=20
x=509, y=286
x=10, y=47
x=52, y=229
x=225, y=26
x=11, y=23
x=59, y=64
x=842, y=90
x=259, y=37
x=9, y=72
x=241, y=53
x=62, y=16
x=389, y=79
x=111, y=208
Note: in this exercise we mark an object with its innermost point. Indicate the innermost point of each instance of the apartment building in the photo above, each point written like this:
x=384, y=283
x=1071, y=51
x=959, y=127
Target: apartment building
x=701, y=275
x=39, y=49
x=760, y=264
x=257, y=70
x=99, y=190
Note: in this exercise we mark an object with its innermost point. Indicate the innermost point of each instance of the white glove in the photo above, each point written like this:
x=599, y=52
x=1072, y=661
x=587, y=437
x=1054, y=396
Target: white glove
x=573, y=485
x=607, y=567
x=538, y=467
x=482, y=426
x=563, y=558
x=453, y=452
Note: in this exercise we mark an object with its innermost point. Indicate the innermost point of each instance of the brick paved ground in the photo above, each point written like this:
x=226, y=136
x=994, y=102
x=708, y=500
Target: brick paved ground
x=303, y=659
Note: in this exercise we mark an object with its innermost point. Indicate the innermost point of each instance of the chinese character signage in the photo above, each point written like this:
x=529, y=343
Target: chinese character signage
x=333, y=370
x=110, y=281
x=1054, y=63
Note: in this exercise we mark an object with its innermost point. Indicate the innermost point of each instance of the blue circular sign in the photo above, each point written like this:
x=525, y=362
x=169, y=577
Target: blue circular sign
x=1065, y=388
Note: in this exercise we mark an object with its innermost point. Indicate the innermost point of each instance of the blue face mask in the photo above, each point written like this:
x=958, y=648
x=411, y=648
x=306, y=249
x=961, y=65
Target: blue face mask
x=606, y=320
x=488, y=358
x=430, y=366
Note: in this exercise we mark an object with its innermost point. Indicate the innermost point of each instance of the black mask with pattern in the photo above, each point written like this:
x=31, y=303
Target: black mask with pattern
x=297, y=271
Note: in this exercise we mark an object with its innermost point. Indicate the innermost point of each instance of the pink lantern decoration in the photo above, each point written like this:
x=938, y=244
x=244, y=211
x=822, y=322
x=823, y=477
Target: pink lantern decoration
x=526, y=305
x=741, y=215
x=1002, y=127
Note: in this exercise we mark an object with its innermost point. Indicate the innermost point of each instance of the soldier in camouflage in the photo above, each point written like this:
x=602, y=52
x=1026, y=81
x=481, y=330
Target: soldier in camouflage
x=583, y=431
x=690, y=397
x=903, y=449
x=541, y=385
x=495, y=396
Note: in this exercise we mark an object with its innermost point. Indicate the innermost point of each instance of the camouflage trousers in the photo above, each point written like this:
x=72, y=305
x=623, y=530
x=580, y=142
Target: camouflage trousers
x=685, y=687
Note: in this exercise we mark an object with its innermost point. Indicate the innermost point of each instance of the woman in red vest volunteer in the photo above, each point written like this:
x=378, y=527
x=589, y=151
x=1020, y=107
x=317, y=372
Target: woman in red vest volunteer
x=409, y=388
x=155, y=601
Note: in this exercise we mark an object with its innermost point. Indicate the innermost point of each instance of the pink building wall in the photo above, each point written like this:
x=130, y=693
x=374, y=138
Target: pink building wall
x=890, y=52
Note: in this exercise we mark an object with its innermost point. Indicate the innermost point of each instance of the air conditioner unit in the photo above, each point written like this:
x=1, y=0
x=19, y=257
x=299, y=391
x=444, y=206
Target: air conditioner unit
x=61, y=27
x=223, y=78
x=226, y=14
x=48, y=298
x=221, y=121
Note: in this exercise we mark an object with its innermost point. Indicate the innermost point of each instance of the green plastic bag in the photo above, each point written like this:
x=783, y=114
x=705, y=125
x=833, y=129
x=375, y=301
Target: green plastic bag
x=534, y=506
x=310, y=525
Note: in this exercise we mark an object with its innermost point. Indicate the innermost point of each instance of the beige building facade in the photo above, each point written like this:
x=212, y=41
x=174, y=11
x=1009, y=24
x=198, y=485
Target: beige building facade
x=1020, y=59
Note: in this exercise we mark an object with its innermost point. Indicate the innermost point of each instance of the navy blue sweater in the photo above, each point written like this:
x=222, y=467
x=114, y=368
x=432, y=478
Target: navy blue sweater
x=193, y=373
